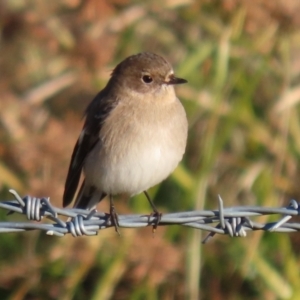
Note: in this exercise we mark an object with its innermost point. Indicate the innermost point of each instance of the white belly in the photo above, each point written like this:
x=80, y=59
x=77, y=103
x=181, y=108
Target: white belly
x=134, y=171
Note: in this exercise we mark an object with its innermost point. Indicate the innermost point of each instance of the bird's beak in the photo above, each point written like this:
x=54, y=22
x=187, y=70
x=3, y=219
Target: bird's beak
x=175, y=80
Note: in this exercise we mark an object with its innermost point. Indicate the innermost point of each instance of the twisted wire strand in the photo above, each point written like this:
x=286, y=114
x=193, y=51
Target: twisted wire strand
x=233, y=221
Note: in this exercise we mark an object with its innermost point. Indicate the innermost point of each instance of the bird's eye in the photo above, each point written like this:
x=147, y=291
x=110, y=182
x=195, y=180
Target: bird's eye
x=147, y=78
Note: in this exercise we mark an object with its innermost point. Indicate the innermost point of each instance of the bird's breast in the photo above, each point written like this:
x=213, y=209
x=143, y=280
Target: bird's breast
x=137, y=150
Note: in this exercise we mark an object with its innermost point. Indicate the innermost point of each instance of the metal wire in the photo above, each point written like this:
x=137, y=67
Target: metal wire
x=234, y=221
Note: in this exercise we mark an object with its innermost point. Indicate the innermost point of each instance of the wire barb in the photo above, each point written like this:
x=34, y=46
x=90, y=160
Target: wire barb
x=234, y=221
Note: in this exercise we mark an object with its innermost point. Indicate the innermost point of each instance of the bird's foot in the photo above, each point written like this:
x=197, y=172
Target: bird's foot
x=157, y=215
x=114, y=219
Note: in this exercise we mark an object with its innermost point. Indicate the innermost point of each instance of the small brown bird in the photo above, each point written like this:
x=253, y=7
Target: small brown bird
x=134, y=134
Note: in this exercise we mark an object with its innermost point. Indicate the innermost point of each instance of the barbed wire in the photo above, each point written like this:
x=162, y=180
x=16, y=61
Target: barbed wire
x=234, y=221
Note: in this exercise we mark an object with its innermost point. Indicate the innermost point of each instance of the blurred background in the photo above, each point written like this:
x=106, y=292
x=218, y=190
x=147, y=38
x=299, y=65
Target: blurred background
x=242, y=61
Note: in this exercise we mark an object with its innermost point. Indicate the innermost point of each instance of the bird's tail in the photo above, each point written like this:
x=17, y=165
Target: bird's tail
x=88, y=197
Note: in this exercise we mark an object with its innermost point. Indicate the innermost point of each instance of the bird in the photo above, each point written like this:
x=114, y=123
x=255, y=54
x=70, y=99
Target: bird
x=134, y=135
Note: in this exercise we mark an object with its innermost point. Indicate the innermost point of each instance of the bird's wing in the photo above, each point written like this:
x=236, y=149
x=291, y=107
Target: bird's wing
x=96, y=114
